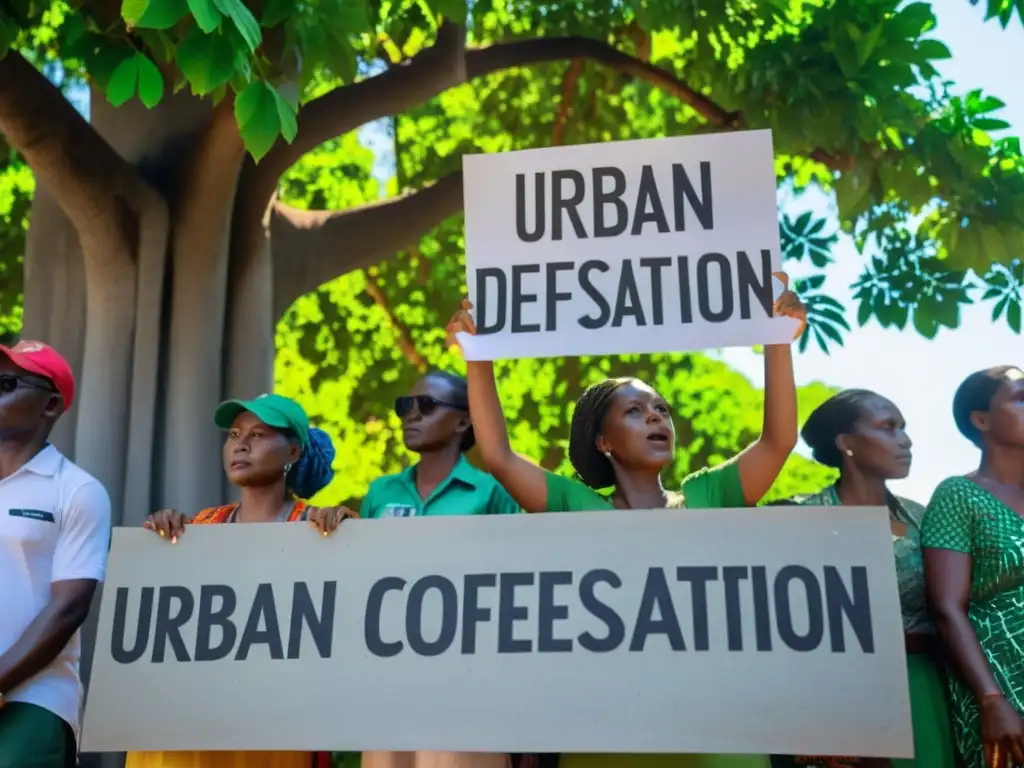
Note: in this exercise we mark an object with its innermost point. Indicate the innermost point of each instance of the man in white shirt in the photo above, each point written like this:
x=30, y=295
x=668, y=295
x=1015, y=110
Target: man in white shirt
x=54, y=538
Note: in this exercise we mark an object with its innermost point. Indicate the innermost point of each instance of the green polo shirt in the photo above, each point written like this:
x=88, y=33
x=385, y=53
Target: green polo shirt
x=708, y=488
x=466, y=491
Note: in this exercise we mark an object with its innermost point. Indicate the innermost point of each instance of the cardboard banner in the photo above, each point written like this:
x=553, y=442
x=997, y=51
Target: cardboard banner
x=657, y=631
x=573, y=250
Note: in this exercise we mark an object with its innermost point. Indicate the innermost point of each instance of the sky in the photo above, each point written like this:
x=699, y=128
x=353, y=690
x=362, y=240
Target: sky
x=918, y=375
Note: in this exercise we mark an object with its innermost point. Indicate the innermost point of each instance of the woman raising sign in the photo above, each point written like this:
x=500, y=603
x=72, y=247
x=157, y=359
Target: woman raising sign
x=622, y=437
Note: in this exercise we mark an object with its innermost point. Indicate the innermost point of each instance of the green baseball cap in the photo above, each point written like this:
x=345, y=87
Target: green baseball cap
x=275, y=411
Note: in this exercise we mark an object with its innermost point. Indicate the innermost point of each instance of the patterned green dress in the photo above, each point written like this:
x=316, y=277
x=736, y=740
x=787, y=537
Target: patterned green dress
x=964, y=517
x=933, y=745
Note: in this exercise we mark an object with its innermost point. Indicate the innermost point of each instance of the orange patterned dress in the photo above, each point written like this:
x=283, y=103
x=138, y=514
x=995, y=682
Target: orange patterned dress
x=212, y=516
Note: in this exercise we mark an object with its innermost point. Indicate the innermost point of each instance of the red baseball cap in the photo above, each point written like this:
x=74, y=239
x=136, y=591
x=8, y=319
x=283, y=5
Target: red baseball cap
x=43, y=360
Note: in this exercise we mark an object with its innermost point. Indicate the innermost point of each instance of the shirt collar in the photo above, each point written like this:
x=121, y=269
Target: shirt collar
x=463, y=472
x=44, y=463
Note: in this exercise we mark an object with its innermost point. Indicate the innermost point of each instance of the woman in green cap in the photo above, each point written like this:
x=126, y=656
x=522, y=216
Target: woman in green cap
x=622, y=438
x=277, y=461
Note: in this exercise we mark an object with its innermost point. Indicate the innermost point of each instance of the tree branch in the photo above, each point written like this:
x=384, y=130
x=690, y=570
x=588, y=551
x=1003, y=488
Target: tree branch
x=357, y=238
x=312, y=247
x=569, y=81
x=392, y=92
x=90, y=181
x=447, y=64
x=522, y=53
x=405, y=342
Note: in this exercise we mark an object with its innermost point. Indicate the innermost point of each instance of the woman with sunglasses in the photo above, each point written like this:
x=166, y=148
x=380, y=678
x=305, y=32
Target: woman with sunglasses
x=436, y=425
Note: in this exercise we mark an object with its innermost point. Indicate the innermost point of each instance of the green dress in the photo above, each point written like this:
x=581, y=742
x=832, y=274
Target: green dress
x=964, y=517
x=929, y=710
x=706, y=489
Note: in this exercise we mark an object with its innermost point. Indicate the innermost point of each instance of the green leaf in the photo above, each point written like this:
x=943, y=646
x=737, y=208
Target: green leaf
x=123, y=81
x=244, y=21
x=993, y=245
x=8, y=34
x=1013, y=316
x=914, y=19
x=258, y=119
x=864, y=313
x=453, y=10
x=206, y=61
x=925, y=324
x=933, y=49
x=866, y=45
x=158, y=14
x=151, y=81
x=206, y=14
x=286, y=117
x=132, y=10
x=276, y=11
x=852, y=188
x=990, y=124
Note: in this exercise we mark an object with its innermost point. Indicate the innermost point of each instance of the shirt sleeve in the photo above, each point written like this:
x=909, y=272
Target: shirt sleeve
x=84, y=539
x=502, y=503
x=368, y=507
x=949, y=519
x=566, y=495
x=714, y=487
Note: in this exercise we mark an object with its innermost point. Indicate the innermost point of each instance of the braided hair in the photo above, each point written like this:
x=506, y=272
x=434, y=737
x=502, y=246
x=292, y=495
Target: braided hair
x=836, y=416
x=590, y=464
x=313, y=471
x=460, y=397
x=975, y=393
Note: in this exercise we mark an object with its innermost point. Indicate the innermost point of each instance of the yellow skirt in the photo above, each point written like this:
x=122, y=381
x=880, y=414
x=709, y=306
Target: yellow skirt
x=219, y=760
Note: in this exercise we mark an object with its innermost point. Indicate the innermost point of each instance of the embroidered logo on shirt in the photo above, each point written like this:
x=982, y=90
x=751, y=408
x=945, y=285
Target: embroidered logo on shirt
x=398, y=510
x=33, y=514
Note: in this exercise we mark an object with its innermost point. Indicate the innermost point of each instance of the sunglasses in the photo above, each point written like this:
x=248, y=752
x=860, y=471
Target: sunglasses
x=11, y=381
x=425, y=404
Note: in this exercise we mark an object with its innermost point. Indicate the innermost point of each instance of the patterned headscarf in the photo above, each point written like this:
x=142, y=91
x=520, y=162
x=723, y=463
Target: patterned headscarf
x=314, y=470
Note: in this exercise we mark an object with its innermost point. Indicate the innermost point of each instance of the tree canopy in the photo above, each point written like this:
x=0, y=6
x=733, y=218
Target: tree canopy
x=924, y=179
x=849, y=89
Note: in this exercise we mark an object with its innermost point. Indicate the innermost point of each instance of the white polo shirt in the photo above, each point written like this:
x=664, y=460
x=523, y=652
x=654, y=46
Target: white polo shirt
x=54, y=526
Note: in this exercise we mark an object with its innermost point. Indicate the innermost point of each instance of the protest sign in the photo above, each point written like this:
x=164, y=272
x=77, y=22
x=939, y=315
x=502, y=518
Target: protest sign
x=656, y=631
x=573, y=250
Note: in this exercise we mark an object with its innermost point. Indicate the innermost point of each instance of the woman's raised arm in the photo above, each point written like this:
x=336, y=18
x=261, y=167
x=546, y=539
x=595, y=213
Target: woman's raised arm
x=762, y=461
x=525, y=481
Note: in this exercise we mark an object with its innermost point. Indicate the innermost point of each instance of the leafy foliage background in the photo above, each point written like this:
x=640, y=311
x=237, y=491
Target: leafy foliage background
x=934, y=202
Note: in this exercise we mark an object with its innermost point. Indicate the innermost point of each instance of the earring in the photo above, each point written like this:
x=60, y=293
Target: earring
x=608, y=454
x=287, y=467
x=849, y=452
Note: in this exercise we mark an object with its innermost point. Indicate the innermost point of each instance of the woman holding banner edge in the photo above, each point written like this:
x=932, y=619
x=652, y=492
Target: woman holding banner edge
x=863, y=435
x=622, y=436
x=278, y=461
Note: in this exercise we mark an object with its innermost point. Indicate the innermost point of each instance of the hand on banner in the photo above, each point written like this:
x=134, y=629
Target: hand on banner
x=461, y=322
x=1002, y=731
x=168, y=523
x=789, y=305
x=327, y=519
